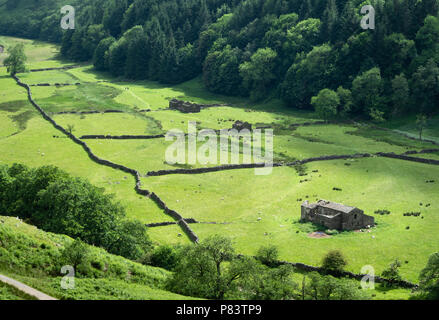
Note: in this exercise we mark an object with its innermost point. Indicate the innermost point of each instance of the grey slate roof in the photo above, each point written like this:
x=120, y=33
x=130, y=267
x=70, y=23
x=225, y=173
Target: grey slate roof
x=335, y=206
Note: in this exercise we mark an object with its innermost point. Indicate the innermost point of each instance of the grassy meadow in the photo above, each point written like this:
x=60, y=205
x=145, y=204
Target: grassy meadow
x=234, y=199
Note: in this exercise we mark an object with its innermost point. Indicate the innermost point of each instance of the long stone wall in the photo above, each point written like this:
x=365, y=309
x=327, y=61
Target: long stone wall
x=55, y=84
x=59, y=68
x=169, y=223
x=89, y=112
x=188, y=221
x=378, y=279
x=422, y=151
x=206, y=170
x=123, y=137
x=298, y=162
x=408, y=158
x=250, y=165
x=180, y=220
x=307, y=124
x=334, y=157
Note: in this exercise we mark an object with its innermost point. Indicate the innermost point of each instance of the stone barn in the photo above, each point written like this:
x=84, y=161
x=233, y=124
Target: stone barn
x=183, y=106
x=335, y=216
x=2, y=49
x=239, y=125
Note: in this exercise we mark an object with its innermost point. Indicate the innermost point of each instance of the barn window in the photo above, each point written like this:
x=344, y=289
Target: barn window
x=355, y=216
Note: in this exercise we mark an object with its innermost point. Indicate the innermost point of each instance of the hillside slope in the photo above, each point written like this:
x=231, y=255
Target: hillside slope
x=32, y=256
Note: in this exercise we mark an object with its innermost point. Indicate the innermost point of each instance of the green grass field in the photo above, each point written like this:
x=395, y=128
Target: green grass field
x=236, y=197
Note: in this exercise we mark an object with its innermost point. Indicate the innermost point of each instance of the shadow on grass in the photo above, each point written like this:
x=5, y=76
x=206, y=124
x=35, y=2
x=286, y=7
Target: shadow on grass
x=195, y=91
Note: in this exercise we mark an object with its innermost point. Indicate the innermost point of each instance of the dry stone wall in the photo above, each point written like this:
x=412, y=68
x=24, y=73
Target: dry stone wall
x=408, y=158
x=205, y=170
x=55, y=84
x=298, y=162
x=60, y=68
x=378, y=279
x=250, y=165
x=123, y=137
x=89, y=112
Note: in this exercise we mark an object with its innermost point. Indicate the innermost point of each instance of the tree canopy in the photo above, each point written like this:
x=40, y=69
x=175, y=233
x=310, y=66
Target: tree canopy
x=54, y=201
x=16, y=61
x=284, y=49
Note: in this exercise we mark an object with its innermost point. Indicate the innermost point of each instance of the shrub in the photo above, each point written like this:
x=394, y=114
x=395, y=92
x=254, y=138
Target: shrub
x=164, y=257
x=392, y=272
x=327, y=287
x=334, y=261
x=326, y=103
x=268, y=255
x=130, y=240
x=77, y=255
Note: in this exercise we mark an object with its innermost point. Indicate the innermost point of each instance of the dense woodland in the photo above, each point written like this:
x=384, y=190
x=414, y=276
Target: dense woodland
x=309, y=53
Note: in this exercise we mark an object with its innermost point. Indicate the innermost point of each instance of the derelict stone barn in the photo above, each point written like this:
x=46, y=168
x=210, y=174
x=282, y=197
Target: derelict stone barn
x=335, y=216
x=239, y=125
x=2, y=49
x=185, y=107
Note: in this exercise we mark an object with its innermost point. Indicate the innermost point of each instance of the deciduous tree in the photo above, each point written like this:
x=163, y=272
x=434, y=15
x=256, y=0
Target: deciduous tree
x=16, y=61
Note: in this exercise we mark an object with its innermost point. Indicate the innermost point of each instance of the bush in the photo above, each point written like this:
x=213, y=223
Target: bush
x=164, y=257
x=130, y=240
x=77, y=255
x=392, y=272
x=334, y=261
x=268, y=255
x=330, y=288
x=326, y=103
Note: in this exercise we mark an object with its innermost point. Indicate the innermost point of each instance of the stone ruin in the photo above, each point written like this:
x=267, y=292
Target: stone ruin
x=335, y=216
x=183, y=106
x=2, y=49
x=239, y=125
x=189, y=107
